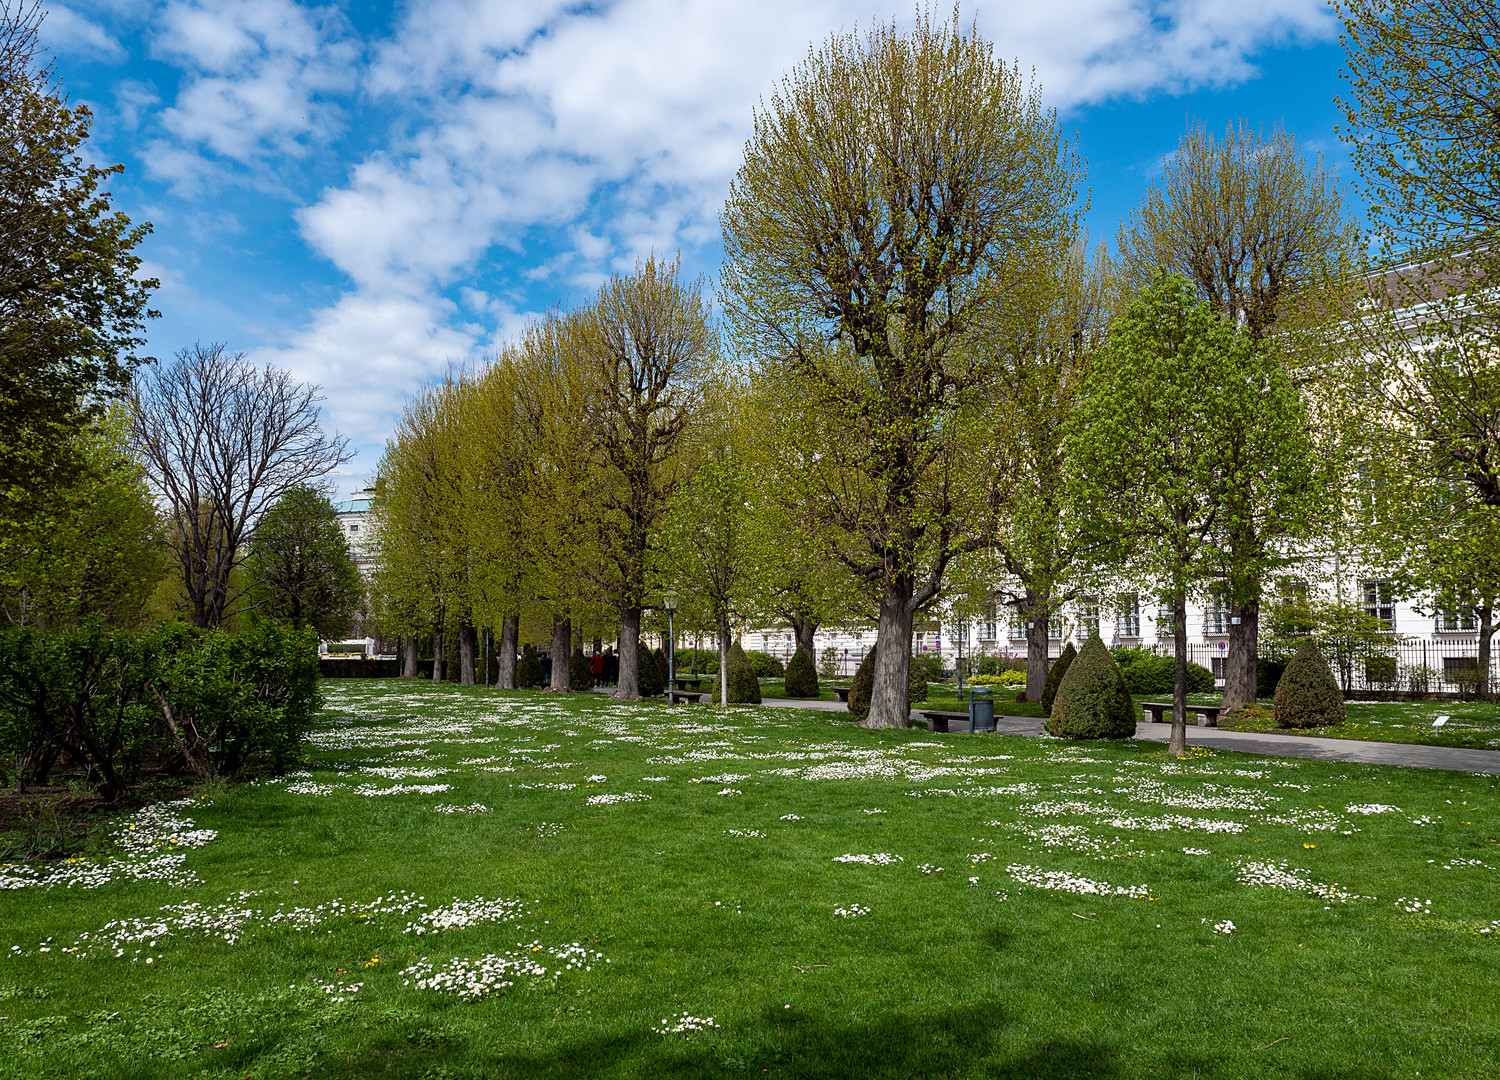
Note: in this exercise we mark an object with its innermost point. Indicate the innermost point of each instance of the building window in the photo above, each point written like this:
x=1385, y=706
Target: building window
x=921, y=641
x=1216, y=617
x=1017, y=628
x=989, y=624
x=1128, y=623
x=1218, y=664
x=1088, y=615
x=354, y=528
x=1378, y=603
x=1450, y=621
x=1164, y=618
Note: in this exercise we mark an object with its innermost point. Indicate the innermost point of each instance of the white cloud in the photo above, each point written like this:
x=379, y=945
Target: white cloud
x=69, y=32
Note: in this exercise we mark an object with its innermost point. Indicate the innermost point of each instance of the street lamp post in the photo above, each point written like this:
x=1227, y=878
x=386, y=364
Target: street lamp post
x=669, y=601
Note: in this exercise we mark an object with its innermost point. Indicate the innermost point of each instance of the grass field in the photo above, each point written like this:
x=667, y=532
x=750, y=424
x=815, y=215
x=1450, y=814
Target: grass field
x=472, y=884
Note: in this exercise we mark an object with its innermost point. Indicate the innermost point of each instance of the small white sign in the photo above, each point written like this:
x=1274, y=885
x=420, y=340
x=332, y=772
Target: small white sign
x=1440, y=721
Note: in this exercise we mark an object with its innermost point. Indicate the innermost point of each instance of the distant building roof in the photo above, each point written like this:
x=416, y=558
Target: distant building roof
x=357, y=503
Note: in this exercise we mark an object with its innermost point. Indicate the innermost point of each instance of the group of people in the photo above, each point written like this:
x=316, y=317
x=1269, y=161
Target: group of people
x=605, y=665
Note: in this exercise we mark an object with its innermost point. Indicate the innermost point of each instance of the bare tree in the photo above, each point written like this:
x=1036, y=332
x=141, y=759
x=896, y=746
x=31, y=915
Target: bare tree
x=223, y=440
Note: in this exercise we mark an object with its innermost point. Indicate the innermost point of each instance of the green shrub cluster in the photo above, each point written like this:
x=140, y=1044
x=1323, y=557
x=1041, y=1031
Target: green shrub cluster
x=651, y=671
x=1308, y=695
x=1055, y=676
x=801, y=676
x=106, y=699
x=859, y=689
x=997, y=665
x=528, y=668
x=708, y=660
x=1267, y=674
x=744, y=685
x=1008, y=677
x=580, y=675
x=1147, y=672
x=1091, y=701
x=764, y=664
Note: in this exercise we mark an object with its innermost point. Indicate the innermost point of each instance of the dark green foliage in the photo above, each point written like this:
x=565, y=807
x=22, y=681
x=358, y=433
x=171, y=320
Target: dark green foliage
x=79, y=692
x=1055, y=675
x=580, y=675
x=1307, y=695
x=766, y=666
x=708, y=661
x=299, y=568
x=1149, y=672
x=1267, y=675
x=994, y=665
x=744, y=685
x=926, y=667
x=651, y=670
x=1091, y=701
x=529, y=668
x=801, y=676
x=229, y=700
x=859, y=689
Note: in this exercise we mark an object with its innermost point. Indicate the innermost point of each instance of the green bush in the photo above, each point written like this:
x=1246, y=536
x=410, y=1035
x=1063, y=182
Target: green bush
x=580, y=675
x=801, y=676
x=1003, y=678
x=529, y=668
x=1267, y=675
x=1091, y=701
x=1055, y=675
x=1148, y=672
x=996, y=665
x=763, y=664
x=859, y=689
x=708, y=661
x=651, y=671
x=828, y=662
x=744, y=685
x=1307, y=695
x=928, y=667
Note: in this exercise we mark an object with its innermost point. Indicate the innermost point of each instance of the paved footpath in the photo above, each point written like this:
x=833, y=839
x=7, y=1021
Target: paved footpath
x=1455, y=758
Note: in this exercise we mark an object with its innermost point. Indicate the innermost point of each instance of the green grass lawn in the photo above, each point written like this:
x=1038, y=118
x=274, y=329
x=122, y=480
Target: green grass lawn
x=1472, y=724
x=1020, y=908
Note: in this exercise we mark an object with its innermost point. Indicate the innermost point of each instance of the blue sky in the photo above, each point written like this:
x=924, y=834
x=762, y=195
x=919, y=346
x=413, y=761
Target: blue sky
x=365, y=191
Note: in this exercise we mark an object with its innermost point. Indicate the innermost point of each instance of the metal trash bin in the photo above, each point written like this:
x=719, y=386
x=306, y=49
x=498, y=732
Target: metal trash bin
x=981, y=709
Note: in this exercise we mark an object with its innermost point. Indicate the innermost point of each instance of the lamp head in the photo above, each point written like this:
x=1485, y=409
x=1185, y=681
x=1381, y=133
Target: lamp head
x=669, y=600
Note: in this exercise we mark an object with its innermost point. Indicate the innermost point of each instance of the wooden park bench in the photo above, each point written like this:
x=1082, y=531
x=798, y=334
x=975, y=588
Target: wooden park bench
x=842, y=693
x=689, y=683
x=685, y=697
x=1156, y=712
x=944, y=720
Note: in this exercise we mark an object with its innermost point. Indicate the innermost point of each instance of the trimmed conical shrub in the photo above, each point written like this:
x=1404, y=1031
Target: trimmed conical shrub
x=1092, y=702
x=1307, y=694
x=744, y=686
x=529, y=667
x=1055, y=676
x=864, y=682
x=580, y=675
x=801, y=676
x=651, y=671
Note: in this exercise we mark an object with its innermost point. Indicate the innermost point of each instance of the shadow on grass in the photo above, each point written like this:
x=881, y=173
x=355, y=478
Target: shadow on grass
x=964, y=1041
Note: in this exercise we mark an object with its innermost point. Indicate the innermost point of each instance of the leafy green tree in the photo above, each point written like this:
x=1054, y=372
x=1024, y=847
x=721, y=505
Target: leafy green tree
x=1146, y=451
x=887, y=186
x=299, y=568
x=1262, y=235
x=72, y=306
x=93, y=547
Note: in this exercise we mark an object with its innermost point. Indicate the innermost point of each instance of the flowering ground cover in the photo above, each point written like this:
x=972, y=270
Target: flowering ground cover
x=1473, y=724
x=472, y=884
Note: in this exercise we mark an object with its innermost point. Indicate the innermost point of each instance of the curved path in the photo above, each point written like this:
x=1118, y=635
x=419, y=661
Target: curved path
x=1414, y=755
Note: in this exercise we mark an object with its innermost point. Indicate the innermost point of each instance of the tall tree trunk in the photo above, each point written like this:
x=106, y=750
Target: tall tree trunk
x=468, y=648
x=1178, y=745
x=411, y=656
x=1034, y=610
x=1486, y=628
x=890, y=696
x=437, y=653
x=510, y=631
x=628, y=688
x=562, y=654
x=724, y=660
x=805, y=631
x=1240, y=664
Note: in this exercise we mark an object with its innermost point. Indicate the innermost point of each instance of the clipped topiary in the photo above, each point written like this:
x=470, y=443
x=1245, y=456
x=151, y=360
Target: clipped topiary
x=744, y=686
x=580, y=675
x=529, y=668
x=1092, y=702
x=1055, y=676
x=651, y=672
x=1307, y=695
x=859, y=689
x=801, y=676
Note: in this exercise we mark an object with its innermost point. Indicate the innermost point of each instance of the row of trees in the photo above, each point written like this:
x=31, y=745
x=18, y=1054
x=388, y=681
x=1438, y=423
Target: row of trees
x=929, y=389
